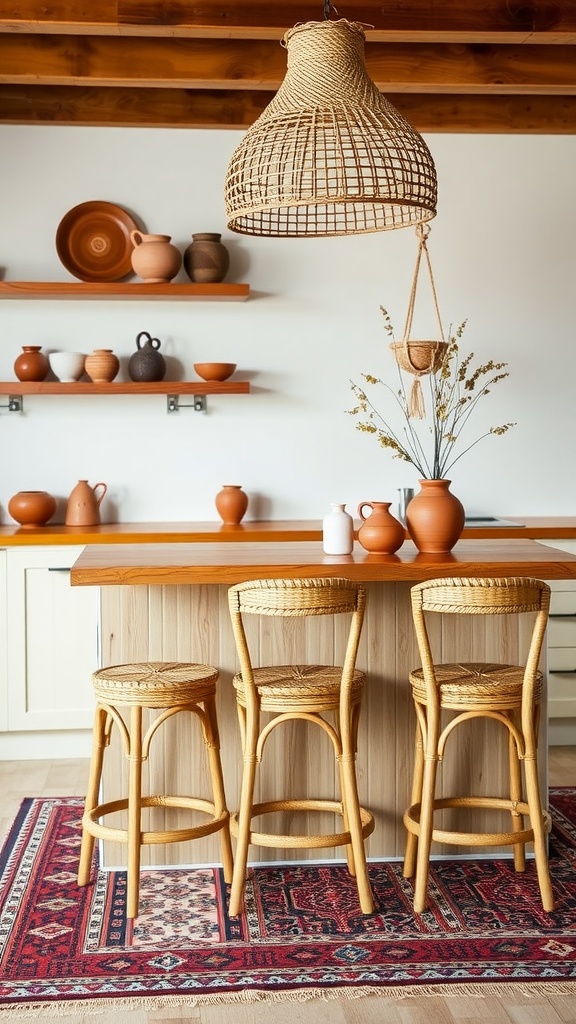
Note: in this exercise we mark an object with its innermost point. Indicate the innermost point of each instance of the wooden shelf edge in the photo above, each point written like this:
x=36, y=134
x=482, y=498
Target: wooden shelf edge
x=170, y=387
x=236, y=292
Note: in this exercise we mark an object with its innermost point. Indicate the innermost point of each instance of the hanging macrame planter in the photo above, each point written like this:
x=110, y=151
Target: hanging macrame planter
x=415, y=356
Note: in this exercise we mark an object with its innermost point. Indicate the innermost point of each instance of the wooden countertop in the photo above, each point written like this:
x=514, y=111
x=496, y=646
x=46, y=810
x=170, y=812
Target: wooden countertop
x=166, y=564
x=552, y=527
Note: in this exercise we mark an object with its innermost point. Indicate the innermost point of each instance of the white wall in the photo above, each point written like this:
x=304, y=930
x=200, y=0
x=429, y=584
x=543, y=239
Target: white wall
x=503, y=248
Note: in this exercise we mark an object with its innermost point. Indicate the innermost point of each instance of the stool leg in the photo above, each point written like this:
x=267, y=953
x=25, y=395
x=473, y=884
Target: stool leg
x=537, y=820
x=515, y=774
x=425, y=837
x=249, y=730
x=134, y=811
x=219, y=796
x=99, y=744
x=352, y=816
x=409, y=867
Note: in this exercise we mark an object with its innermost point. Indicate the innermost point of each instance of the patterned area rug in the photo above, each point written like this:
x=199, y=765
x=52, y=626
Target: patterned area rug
x=301, y=935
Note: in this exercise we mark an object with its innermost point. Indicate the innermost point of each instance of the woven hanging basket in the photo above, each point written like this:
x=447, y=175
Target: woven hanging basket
x=415, y=356
x=329, y=155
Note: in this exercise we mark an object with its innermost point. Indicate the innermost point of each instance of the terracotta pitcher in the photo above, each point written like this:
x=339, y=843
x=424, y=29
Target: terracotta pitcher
x=380, y=531
x=83, y=507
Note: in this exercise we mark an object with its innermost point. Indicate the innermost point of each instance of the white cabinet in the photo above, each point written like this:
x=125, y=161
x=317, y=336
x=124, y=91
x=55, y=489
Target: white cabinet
x=52, y=647
x=561, y=648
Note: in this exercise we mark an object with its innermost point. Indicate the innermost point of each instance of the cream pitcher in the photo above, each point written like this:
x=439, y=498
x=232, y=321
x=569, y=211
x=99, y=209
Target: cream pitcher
x=83, y=507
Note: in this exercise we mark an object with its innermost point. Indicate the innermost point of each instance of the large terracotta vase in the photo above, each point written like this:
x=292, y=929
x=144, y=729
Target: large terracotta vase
x=435, y=517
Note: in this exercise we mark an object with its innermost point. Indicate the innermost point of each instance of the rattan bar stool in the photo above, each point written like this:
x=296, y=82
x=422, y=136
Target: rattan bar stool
x=510, y=694
x=306, y=693
x=170, y=688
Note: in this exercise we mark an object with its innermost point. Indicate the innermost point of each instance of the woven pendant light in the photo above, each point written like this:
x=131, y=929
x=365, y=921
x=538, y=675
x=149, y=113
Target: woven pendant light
x=329, y=155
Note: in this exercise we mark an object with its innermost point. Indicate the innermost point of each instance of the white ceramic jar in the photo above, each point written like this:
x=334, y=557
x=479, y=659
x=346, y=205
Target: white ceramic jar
x=338, y=531
x=68, y=367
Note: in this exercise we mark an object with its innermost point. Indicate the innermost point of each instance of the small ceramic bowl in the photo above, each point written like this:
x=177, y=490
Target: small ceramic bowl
x=215, y=371
x=68, y=367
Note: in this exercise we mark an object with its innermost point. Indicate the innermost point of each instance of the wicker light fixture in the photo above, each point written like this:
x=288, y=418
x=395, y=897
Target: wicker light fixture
x=329, y=155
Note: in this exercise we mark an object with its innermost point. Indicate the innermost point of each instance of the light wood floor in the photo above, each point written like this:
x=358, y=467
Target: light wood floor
x=19, y=779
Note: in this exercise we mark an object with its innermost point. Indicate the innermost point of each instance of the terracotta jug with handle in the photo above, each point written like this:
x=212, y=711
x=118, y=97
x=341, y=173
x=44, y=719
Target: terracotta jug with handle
x=83, y=507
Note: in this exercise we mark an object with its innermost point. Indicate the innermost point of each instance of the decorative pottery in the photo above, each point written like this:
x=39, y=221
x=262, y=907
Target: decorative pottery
x=68, y=367
x=215, y=371
x=93, y=241
x=154, y=258
x=435, y=517
x=206, y=260
x=146, y=364
x=338, y=531
x=231, y=504
x=381, y=532
x=83, y=508
x=102, y=365
x=32, y=508
x=31, y=364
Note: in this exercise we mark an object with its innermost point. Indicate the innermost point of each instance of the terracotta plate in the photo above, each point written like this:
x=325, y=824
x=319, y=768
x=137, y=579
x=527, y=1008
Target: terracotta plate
x=93, y=241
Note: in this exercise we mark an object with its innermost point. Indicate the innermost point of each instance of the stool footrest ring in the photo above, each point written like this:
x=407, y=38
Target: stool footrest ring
x=412, y=822
x=302, y=842
x=92, y=825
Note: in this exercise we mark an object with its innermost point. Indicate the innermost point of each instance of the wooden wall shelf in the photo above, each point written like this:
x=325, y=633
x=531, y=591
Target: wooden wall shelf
x=173, y=389
x=165, y=387
x=123, y=290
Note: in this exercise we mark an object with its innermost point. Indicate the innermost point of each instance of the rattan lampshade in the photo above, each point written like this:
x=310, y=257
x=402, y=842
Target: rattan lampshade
x=329, y=155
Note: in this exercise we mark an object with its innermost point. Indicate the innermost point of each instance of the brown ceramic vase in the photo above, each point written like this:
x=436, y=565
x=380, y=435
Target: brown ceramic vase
x=102, y=365
x=31, y=364
x=32, y=508
x=435, y=517
x=381, y=532
x=231, y=504
x=206, y=260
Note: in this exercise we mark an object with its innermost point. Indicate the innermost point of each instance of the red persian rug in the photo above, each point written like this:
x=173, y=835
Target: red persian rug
x=301, y=935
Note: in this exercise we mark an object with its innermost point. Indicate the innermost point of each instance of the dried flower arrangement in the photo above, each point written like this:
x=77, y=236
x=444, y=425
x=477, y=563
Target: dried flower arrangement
x=455, y=390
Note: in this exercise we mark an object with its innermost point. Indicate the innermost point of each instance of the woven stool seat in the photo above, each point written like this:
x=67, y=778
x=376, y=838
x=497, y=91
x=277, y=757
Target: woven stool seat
x=154, y=684
x=169, y=688
x=316, y=687
x=507, y=694
x=300, y=692
x=495, y=687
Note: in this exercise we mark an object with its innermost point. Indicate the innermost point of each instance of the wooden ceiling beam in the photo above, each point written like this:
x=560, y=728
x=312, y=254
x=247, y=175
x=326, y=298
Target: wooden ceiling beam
x=165, y=108
x=242, y=64
x=391, y=20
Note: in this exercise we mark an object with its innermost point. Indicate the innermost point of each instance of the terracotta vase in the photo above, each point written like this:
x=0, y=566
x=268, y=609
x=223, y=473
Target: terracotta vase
x=31, y=364
x=435, y=517
x=231, y=504
x=206, y=260
x=381, y=532
x=102, y=365
x=32, y=508
x=154, y=258
x=83, y=508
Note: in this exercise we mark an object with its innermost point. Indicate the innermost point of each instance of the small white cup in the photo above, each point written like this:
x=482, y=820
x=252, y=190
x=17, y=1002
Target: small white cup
x=68, y=367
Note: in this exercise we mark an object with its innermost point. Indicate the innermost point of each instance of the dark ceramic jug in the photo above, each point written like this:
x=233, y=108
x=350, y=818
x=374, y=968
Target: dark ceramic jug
x=147, y=364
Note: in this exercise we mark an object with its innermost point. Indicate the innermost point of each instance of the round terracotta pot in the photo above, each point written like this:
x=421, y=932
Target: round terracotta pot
x=154, y=258
x=206, y=259
x=32, y=508
x=231, y=504
x=435, y=517
x=31, y=364
x=381, y=532
x=102, y=365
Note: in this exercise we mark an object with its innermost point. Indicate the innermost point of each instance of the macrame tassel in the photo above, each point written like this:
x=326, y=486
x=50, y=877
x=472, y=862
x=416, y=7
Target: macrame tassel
x=416, y=410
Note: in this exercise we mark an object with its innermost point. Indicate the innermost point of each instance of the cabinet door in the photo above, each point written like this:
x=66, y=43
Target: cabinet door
x=562, y=642
x=52, y=647
x=3, y=639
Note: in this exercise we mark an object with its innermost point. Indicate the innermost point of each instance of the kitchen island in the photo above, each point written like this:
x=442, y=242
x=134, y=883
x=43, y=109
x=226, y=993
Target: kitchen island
x=168, y=601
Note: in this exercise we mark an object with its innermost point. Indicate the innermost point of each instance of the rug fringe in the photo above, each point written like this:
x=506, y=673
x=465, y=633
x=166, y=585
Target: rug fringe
x=63, y=1008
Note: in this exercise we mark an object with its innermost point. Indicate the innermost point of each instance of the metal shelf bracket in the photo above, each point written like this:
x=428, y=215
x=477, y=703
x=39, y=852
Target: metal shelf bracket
x=173, y=403
x=15, y=404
